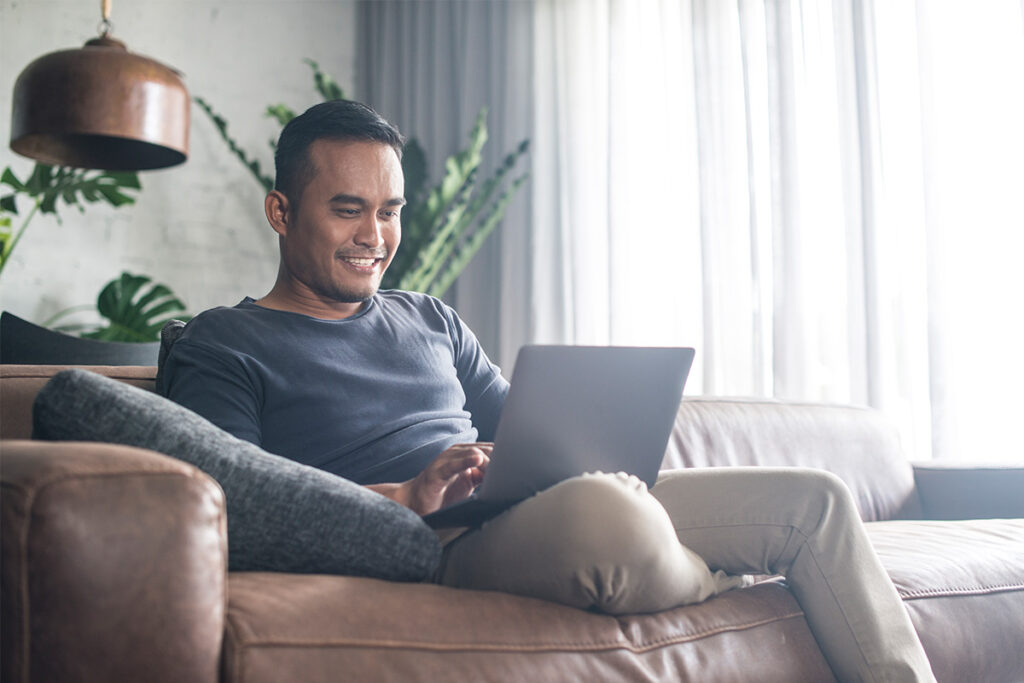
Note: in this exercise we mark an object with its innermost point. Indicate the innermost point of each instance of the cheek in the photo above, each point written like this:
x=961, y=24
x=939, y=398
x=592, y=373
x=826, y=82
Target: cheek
x=393, y=237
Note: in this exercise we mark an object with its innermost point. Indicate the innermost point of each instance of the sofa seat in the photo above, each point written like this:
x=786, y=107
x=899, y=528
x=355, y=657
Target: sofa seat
x=312, y=628
x=962, y=584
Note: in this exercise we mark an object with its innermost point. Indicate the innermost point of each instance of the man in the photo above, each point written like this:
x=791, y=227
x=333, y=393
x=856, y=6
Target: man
x=391, y=390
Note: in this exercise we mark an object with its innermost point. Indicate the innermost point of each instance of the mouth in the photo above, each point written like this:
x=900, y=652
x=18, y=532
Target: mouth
x=362, y=264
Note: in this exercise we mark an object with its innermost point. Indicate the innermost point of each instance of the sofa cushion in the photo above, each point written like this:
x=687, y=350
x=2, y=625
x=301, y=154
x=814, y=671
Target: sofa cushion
x=282, y=516
x=287, y=628
x=963, y=584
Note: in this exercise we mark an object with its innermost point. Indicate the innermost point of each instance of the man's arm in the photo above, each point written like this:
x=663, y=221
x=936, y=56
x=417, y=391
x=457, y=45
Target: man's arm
x=215, y=387
x=481, y=380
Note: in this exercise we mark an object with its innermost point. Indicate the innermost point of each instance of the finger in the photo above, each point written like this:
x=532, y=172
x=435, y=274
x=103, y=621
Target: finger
x=455, y=462
x=476, y=476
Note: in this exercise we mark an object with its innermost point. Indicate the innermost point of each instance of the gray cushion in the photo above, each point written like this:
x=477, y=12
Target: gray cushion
x=282, y=516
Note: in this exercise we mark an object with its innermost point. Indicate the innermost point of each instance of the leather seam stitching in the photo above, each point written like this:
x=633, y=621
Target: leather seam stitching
x=954, y=591
x=539, y=647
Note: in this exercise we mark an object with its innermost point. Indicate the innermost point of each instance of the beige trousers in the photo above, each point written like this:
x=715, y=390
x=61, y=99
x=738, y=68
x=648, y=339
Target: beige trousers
x=602, y=541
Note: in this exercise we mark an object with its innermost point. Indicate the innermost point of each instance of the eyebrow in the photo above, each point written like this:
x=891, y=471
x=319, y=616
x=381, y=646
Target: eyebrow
x=342, y=198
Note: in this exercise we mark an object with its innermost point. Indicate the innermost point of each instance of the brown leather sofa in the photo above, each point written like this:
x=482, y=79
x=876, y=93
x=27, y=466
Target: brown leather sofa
x=114, y=570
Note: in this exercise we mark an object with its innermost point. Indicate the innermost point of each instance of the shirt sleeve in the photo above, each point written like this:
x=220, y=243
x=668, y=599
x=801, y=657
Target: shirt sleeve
x=216, y=385
x=481, y=380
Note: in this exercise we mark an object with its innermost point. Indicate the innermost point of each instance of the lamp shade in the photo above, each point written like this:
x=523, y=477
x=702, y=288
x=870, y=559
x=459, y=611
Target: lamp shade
x=100, y=106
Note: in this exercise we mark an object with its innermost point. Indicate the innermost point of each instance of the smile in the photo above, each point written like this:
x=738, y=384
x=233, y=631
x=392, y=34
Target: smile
x=364, y=264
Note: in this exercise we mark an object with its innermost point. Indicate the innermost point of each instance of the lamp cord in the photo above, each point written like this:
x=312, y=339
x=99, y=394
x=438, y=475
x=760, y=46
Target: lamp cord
x=105, y=26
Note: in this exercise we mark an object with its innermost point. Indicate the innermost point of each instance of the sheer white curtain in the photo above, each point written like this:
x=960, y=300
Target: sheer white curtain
x=787, y=186
x=971, y=69
x=699, y=188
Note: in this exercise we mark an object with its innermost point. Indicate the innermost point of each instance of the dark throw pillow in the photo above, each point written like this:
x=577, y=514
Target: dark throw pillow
x=282, y=516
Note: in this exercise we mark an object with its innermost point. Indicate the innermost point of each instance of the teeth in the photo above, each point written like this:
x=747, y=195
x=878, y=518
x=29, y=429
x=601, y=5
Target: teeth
x=363, y=262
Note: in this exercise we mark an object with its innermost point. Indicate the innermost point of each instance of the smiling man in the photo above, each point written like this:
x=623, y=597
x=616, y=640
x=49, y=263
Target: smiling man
x=336, y=245
x=391, y=390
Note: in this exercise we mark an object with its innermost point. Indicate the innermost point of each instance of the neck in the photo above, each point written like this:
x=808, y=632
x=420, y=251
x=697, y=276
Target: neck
x=285, y=298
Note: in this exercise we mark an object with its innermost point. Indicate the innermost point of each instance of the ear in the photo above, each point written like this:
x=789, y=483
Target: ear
x=277, y=209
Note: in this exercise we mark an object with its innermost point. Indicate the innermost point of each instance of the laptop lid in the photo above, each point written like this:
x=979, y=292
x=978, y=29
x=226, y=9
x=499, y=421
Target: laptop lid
x=577, y=409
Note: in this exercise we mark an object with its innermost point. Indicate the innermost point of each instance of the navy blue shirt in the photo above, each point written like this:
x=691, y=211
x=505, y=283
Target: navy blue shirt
x=372, y=398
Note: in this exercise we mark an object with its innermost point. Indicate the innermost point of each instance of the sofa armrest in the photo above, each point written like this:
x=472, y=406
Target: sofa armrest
x=114, y=565
x=965, y=491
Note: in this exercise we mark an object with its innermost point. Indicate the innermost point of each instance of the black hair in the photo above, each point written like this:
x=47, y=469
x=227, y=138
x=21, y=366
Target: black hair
x=334, y=120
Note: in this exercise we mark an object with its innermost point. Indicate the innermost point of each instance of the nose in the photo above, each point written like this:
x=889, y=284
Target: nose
x=370, y=233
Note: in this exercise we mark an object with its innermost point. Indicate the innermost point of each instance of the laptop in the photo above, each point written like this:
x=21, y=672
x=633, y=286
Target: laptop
x=572, y=410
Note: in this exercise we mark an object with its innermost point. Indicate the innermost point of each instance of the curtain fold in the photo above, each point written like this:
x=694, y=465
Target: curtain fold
x=429, y=66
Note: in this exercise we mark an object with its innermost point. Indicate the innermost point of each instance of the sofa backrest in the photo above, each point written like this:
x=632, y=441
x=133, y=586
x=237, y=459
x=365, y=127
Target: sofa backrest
x=857, y=444
x=19, y=385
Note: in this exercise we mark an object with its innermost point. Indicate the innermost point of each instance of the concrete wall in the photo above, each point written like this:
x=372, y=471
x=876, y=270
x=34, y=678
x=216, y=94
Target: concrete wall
x=198, y=227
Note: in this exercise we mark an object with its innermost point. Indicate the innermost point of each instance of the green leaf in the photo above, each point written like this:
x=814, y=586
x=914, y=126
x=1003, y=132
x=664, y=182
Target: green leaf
x=113, y=195
x=324, y=84
x=125, y=179
x=9, y=204
x=445, y=278
x=48, y=185
x=49, y=203
x=40, y=180
x=8, y=178
x=280, y=113
x=5, y=234
x=135, y=310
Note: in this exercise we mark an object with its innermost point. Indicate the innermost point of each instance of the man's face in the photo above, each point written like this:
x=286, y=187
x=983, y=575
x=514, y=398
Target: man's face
x=344, y=230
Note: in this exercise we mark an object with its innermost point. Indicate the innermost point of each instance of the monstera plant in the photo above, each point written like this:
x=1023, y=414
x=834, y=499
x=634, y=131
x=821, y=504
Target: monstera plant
x=442, y=226
x=133, y=308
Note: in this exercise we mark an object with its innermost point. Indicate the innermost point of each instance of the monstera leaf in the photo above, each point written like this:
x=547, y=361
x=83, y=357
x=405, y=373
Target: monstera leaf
x=135, y=309
x=47, y=186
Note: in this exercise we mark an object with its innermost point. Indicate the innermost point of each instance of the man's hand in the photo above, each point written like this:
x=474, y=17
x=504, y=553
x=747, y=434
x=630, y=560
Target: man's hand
x=451, y=477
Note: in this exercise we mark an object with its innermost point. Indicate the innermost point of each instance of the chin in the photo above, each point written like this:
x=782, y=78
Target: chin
x=352, y=295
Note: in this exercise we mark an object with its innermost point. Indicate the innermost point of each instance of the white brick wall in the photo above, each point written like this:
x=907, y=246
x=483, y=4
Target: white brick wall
x=198, y=227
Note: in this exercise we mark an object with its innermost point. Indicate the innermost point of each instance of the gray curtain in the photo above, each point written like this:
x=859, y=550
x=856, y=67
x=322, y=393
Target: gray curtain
x=429, y=66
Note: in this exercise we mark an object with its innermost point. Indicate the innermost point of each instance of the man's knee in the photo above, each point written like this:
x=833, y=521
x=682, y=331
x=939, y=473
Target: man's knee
x=609, y=517
x=825, y=488
x=811, y=500
x=616, y=547
x=597, y=541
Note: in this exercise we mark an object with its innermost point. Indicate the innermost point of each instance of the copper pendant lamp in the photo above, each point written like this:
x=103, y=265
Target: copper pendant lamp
x=101, y=106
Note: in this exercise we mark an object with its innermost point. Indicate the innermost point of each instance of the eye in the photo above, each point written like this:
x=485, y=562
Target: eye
x=347, y=212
